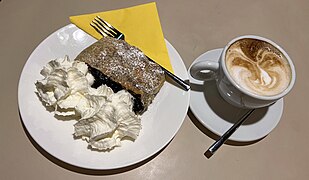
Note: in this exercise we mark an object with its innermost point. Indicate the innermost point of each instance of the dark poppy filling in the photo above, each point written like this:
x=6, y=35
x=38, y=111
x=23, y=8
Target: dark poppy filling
x=100, y=78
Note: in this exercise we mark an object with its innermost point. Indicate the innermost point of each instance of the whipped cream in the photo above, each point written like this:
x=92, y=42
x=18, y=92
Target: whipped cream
x=103, y=117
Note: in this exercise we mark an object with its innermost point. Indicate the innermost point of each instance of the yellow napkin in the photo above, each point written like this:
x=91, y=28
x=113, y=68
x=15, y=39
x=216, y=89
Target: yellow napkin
x=140, y=25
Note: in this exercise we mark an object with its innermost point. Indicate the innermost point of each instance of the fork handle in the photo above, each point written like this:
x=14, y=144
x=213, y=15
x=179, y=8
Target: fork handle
x=175, y=78
x=179, y=81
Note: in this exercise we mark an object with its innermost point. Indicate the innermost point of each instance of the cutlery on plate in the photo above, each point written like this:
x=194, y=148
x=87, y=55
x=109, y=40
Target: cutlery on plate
x=216, y=145
x=106, y=29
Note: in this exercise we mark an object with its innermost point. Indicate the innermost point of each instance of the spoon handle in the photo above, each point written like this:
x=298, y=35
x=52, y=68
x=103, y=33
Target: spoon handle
x=215, y=146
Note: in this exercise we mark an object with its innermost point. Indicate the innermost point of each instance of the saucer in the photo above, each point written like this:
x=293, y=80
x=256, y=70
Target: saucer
x=218, y=116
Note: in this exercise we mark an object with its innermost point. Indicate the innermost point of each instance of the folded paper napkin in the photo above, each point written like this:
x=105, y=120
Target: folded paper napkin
x=140, y=25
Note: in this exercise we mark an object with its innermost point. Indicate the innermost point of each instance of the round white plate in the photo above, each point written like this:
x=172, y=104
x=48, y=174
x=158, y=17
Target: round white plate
x=218, y=116
x=159, y=124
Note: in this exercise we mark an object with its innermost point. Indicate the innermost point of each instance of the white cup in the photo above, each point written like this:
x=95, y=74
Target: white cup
x=227, y=86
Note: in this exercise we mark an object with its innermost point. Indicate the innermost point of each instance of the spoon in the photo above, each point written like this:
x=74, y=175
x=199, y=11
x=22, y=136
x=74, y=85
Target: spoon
x=216, y=145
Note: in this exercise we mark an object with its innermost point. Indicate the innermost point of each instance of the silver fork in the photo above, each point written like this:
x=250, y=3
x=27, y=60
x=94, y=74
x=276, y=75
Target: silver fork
x=106, y=29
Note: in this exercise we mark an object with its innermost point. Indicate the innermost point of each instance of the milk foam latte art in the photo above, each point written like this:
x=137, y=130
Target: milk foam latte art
x=258, y=67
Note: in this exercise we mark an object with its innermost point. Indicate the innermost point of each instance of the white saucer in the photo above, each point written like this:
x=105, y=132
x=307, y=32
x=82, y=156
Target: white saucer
x=218, y=116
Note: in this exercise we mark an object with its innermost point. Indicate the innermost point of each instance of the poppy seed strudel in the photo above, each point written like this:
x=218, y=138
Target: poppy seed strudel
x=122, y=66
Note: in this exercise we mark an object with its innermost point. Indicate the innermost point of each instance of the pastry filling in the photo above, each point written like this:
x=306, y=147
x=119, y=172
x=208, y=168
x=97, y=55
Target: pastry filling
x=100, y=78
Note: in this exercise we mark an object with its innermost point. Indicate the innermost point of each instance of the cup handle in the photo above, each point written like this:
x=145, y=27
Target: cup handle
x=204, y=70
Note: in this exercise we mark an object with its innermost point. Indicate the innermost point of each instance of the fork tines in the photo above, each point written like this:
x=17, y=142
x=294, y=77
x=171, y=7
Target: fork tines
x=104, y=28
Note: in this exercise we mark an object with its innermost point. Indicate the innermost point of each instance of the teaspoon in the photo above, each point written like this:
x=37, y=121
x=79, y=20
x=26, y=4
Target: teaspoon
x=216, y=145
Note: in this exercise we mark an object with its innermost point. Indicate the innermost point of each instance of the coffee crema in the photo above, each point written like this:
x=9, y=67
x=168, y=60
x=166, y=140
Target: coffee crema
x=258, y=67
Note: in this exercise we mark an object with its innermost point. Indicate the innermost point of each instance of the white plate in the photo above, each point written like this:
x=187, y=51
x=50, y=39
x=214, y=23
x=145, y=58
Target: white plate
x=159, y=124
x=218, y=116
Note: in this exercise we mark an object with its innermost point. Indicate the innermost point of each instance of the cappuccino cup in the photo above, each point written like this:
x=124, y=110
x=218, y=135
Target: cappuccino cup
x=252, y=72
